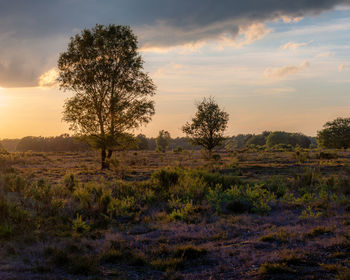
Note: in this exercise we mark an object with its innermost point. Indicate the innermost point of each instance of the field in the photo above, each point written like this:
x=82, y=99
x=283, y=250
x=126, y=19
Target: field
x=248, y=214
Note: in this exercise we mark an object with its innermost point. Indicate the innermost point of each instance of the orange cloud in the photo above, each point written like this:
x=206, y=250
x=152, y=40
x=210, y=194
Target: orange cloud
x=285, y=71
x=293, y=46
x=49, y=78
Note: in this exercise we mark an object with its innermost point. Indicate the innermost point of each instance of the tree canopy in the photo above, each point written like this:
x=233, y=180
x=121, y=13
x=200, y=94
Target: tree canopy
x=208, y=125
x=287, y=138
x=335, y=134
x=111, y=91
x=163, y=141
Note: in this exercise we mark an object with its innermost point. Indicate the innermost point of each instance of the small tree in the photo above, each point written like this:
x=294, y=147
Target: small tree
x=163, y=141
x=105, y=72
x=208, y=126
x=335, y=134
x=142, y=142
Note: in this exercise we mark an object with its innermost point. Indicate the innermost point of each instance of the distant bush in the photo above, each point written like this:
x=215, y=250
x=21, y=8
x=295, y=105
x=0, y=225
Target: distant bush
x=293, y=139
x=335, y=134
x=163, y=141
x=327, y=155
x=177, y=150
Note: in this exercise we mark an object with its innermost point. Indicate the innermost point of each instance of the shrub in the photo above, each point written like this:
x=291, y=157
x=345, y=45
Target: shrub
x=239, y=199
x=281, y=237
x=276, y=185
x=121, y=255
x=167, y=177
x=189, y=252
x=189, y=188
x=318, y=231
x=79, y=226
x=186, y=213
x=177, y=150
x=70, y=182
x=274, y=269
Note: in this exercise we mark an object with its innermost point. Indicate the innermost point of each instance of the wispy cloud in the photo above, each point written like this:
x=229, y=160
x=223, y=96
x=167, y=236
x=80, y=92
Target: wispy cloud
x=287, y=19
x=324, y=54
x=246, y=35
x=49, y=78
x=282, y=72
x=293, y=46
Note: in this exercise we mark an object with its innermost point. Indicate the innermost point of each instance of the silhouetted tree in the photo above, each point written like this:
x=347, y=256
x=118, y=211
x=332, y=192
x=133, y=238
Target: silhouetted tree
x=259, y=140
x=208, y=125
x=104, y=70
x=163, y=141
x=142, y=142
x=62, y=143
x=335, y=134
x=293, y=139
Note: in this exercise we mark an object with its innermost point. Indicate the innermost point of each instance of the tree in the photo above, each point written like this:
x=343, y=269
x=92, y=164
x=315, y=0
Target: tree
x=111, y=92
x=163, y=141
x=286, y=138
x=335, y=134
x=142, y=142
x=208, y=125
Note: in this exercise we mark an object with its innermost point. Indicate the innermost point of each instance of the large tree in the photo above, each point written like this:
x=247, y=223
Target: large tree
x=111, y=91
x=335, y=134
x=207, y=126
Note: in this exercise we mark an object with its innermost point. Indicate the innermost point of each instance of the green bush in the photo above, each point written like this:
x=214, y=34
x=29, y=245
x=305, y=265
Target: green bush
x=239, y=199
x=167, y=177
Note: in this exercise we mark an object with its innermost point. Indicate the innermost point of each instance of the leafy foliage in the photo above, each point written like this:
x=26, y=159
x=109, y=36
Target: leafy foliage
x=293, y=139
x=163, y=141
x=208, y=125
x=335, y=134
x=104, y=70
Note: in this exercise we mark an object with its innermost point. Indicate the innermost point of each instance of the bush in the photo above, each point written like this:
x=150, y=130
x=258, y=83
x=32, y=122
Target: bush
x=79, y=226
x=167, y=177
x=239, y=199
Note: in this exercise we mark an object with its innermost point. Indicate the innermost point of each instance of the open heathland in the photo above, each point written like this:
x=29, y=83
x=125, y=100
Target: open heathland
x=246, y=214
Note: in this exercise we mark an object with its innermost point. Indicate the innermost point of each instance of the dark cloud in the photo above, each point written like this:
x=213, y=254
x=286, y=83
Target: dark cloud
x=32, y=33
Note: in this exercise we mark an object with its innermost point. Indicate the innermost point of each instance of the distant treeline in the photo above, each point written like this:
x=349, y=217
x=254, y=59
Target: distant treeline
x=62, y=143
x=66, y=143
x=270, y=139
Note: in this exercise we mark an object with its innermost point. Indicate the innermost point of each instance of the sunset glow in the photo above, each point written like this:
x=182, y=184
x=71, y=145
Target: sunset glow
x=284, y=70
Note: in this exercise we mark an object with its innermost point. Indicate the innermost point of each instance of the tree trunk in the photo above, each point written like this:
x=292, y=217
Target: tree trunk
x=210, y=154
x=104, y=164
x=109, y=155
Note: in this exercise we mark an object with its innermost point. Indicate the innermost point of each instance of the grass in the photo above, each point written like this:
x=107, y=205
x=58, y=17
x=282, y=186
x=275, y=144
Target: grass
x=318, y=231
x=274, y=269
x=280, y=237
x=60, y=213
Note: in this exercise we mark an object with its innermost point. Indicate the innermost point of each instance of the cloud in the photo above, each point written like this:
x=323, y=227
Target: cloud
x=169, y=69
x=31, y=32
x=287, y=19
x=49, y=78
x=246, y=35
x=341, y=67
x=293, y=46
x=278, y=73
x=324, y=54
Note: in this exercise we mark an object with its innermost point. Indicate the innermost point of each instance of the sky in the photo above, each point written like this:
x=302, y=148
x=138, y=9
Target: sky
x=271, y=64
